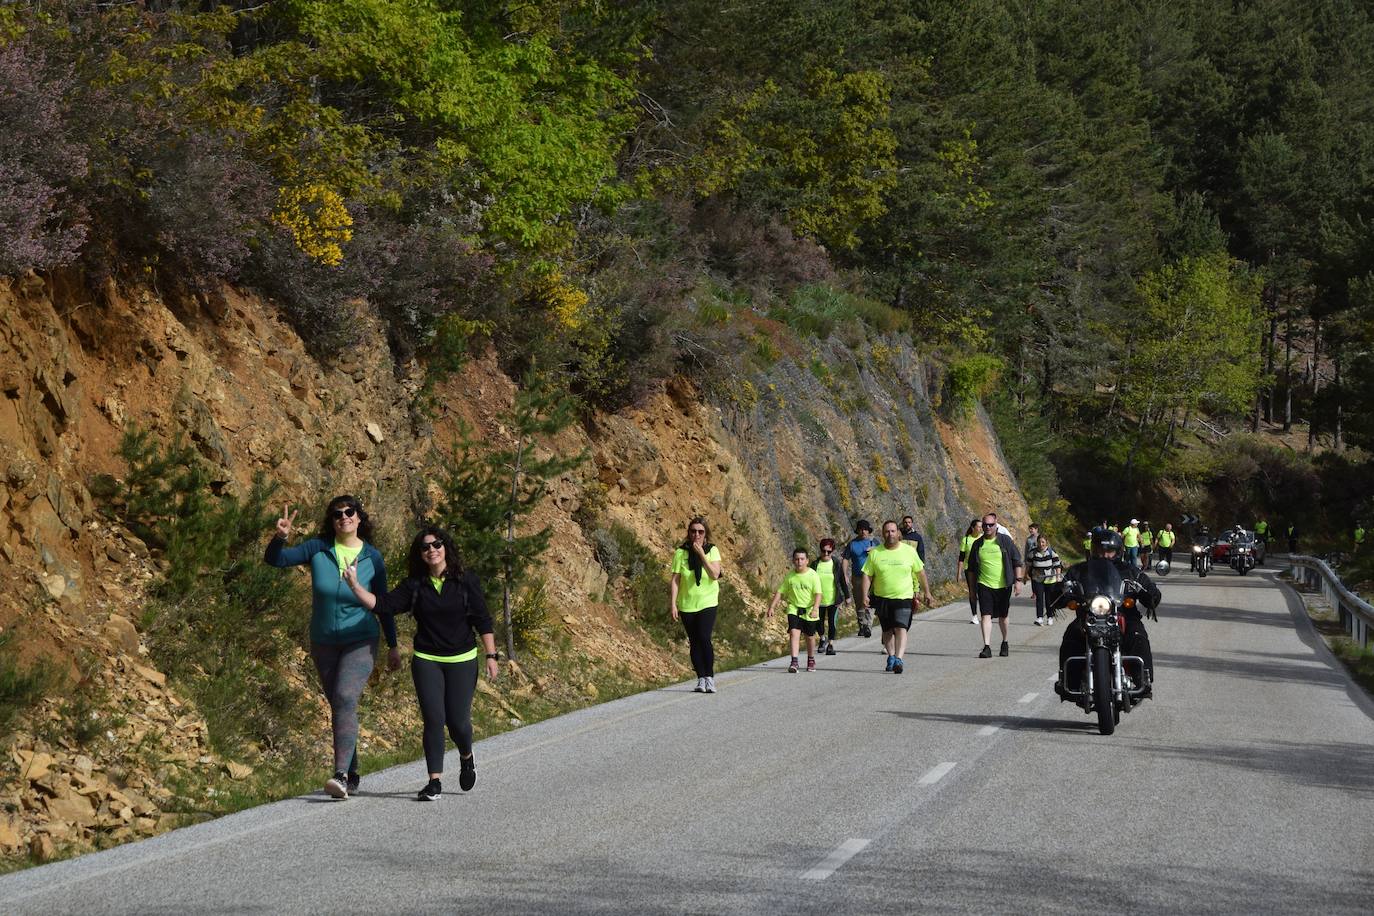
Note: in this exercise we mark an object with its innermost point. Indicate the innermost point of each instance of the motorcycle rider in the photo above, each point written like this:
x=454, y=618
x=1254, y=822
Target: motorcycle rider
x=1107, y=545
x=1203, y=537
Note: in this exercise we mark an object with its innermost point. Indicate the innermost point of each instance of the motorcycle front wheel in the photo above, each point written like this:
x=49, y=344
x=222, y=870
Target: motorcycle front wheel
x=1102, y=692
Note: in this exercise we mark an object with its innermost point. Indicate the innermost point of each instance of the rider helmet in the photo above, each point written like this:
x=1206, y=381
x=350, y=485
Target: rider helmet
x=1106, y=540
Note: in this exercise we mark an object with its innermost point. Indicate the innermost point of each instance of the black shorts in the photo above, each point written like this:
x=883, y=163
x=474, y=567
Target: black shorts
x=893, y=613
x=994, y=602
x=808, y=627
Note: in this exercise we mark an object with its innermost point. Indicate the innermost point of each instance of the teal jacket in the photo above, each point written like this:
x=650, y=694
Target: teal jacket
x=336, y=618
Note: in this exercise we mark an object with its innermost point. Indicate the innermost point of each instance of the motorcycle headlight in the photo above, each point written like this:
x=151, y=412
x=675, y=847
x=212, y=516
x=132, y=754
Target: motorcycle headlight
x=1101, y=605
x=1197, y=548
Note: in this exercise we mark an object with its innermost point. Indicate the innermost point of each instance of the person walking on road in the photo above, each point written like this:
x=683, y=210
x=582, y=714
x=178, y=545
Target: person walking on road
x=1032, y=538
x=854, y=555
x=1166, y=541
x=450, y=615
x=834, y=592
x=1131, y=538
x=996, y=566
x=891, y=574
x=695, y=596
x=1046, y=571
x=1262, y=531
x=801, y=589
x=1359, y=537
x=343, y=635
x=1147, y=539
x=909, y=533
x=962, y=569
x=1292, y=534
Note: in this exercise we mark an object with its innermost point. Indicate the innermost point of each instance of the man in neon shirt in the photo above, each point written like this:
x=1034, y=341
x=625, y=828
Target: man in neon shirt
x=997, y=569
x=891, y=573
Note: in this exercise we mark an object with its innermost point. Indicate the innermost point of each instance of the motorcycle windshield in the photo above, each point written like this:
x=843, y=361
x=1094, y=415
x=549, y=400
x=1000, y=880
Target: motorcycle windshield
x=1101, y=577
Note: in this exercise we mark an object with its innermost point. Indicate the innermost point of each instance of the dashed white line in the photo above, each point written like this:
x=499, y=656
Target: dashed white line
x=987, y=730
x=936, y=774
x=841, y=854
x=1028, y=698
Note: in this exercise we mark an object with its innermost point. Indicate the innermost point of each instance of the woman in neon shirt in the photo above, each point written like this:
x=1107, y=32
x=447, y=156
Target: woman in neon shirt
x=695, y=595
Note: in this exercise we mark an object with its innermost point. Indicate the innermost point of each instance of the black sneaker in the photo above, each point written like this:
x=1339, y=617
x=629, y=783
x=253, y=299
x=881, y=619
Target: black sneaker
x=865, y=632
x=830, y=648
x=1005, y=650
x=432, y=791
x=986, y=653
x=353, y=780
x=337, y=785
x=467, y=773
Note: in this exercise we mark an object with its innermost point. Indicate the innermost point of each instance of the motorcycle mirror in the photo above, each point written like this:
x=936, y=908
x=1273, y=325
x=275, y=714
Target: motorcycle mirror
x=1162, y=567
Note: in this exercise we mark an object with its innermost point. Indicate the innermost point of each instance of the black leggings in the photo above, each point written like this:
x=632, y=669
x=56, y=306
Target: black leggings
x=445, y=692
x=828, y=613
x=699, y=625
x=1046, y=596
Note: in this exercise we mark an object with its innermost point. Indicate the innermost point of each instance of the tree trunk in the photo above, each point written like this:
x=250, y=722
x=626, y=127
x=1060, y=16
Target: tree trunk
x=1288, y=372
x=1316, y=383
x=1270, y=345
x=1337, y=444
x=510, y=541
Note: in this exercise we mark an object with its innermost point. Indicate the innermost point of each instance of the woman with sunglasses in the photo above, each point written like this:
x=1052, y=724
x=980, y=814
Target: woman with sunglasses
x=695, y=594
x=834, y=592
x=343, y=635
x=450, y=611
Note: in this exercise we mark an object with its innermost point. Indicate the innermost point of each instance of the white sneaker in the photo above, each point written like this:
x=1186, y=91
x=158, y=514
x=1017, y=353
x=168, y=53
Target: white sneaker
x=1049, y=621
x=973, y=620
x=710, y=684
x=701, y=686
x=1040, y=621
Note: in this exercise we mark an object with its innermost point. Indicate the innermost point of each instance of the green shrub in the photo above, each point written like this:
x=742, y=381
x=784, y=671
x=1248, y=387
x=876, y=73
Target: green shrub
x=967, y=380
x=21, y=686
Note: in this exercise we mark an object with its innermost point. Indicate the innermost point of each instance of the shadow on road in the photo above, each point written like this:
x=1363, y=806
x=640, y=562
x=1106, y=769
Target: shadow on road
x=1304, y=669
x=1336, y=765
x=1008, y=722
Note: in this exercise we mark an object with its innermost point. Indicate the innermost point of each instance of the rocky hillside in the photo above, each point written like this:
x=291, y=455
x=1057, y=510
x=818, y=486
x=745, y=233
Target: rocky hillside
x=773, y=452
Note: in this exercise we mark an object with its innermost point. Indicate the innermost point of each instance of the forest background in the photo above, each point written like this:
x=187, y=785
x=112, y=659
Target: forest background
x=1115, y=220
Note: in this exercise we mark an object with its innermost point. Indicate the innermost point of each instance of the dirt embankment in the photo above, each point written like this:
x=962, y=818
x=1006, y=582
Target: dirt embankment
x=227, y=374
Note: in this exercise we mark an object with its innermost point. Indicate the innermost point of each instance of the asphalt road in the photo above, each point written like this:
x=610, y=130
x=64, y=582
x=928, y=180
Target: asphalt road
x=963, y=785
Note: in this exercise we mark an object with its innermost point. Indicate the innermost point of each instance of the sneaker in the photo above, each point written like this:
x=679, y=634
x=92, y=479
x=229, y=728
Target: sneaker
x=431, y=792
x=811, y=663
x=1049, y=621
x=337, y=785
x=973, y=619
x=986, y=653
x=353, y=780
x=467, y=773
x=1005, y=650
x=897, y=666
x=820, y=645
x=865, y=632
x=710, y=685
x=1040, y=621
x=830, y=648
x=792, y=668
x=701, y=686
x=890, y=660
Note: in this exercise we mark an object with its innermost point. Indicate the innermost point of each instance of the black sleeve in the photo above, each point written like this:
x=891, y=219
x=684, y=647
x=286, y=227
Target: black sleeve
x=400, y=600
x=921, y=548
x=479, y=618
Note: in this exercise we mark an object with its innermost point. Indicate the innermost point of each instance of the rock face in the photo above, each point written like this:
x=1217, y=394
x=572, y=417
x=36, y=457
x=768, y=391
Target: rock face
x=771, y=455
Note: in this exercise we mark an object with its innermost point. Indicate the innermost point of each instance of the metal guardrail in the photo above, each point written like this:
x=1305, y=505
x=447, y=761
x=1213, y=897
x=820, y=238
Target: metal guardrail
x=1357, y=615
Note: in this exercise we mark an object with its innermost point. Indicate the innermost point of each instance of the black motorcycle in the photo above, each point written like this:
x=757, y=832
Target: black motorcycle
x=1107, y=682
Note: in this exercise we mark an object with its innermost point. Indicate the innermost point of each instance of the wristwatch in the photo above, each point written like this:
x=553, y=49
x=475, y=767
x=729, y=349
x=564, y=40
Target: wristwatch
x=493, y=655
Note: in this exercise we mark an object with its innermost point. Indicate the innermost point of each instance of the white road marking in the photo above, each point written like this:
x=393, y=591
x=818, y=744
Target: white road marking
x=936, y=774
x=987, y=730
x=1053, y=678
x=842, y=854
x=1028, y=698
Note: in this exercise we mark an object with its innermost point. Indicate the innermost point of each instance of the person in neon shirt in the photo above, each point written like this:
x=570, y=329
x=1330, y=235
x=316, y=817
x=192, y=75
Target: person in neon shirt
x=801, y=589
x=694, y=596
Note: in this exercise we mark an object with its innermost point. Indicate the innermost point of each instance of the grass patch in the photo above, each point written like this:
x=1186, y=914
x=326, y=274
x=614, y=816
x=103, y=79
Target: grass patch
x=21, y=686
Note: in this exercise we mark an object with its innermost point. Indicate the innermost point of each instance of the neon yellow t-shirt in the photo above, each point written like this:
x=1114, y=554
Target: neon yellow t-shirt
x=964, y=544
x=799, y=590
x=1166, y=539
x=1145, y=538
x=437, y=583
x=990, y=570
x=825, y=569
x=893, y=572
x=346, y=555
x=1131, y=536
x=691, y=596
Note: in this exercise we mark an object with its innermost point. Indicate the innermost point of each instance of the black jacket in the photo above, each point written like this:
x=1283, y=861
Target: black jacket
x=1011, y=557
x=1150, y=597
x=446, y=622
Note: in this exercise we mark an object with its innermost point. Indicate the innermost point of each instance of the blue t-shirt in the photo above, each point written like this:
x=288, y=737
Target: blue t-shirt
x=856, y=552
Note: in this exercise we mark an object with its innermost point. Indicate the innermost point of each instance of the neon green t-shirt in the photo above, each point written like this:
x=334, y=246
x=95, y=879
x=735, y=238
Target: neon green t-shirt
x=893, y=572
x=964, y=544
x=437, y=583
x=346, y=555
x=1131, y=536
x=1166, y=539
x=691, y=596
x=990, y=570
x=1261, y=528
x=1146, y=538
x=825, y=569
x=799, y=590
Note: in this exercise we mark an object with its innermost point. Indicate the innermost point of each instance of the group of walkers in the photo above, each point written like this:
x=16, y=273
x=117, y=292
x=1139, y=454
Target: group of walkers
x=352, y=608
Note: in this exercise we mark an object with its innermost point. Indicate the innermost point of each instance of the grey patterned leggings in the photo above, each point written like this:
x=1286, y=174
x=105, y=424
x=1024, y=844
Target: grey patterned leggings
x=344, y=671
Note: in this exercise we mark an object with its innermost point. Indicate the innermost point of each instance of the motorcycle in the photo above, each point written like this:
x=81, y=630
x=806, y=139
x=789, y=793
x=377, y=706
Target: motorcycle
x=1109, y=683
x=1202, y=559
x=1242, y=558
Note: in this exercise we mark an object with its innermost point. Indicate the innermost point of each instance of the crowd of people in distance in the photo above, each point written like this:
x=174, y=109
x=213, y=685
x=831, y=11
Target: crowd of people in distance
x=885, y=578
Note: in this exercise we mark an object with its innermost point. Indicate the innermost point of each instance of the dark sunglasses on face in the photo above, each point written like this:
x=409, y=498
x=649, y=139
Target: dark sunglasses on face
x=431, y=545
x=696, y=530
x=345, y=512
x=989, y=524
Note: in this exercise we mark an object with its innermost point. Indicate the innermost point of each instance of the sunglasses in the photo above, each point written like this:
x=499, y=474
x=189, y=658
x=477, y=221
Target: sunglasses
x=345, y=512
x=989, y=524
x=696, y=530
x=826, y=550
x=431, y=545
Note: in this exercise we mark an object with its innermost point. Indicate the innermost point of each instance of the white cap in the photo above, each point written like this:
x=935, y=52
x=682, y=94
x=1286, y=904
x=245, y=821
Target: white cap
x=1135, y=521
